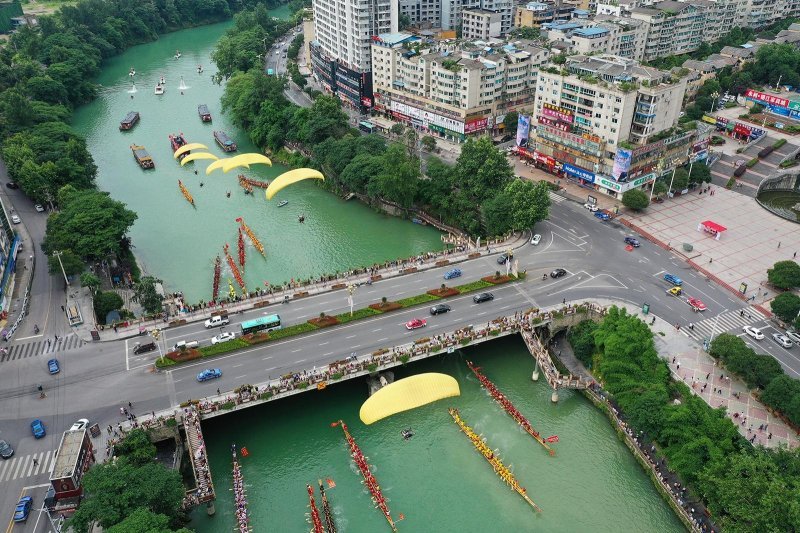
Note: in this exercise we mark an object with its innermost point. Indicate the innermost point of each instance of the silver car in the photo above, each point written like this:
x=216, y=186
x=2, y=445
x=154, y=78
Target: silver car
x=782, y=339
x=794, y=337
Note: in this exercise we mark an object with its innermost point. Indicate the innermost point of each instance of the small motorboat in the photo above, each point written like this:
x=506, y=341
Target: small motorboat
x=129, y=121
x=199, y=69
x=283, y=203
x=132, y=72
x=177, y=54
x=159, y=89
x=162, y=81
x=301, y=219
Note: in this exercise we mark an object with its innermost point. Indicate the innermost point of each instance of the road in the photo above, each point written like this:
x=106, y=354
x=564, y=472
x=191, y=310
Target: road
x=97, y=378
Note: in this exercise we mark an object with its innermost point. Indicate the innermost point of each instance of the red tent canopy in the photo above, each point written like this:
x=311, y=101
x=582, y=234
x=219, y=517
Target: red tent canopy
x=713, y=226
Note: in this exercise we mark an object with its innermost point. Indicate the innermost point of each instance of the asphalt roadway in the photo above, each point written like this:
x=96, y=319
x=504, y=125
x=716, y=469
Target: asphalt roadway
x=96, y=379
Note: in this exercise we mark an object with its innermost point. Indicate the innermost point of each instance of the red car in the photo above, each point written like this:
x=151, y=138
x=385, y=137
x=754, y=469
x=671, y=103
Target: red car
x=416, y=323
x=696, y=304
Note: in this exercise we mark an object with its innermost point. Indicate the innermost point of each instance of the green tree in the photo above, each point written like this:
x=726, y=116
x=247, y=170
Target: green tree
x=786, y=305
x=481, y=170
x=72, y=263
x=145, y=521
x=659, y=188
x=635, y=199
x=529, y=203
x=784, y=275
x=780, y=393
x=581, y=339
x=397, y=129
x=428, y=143
x=90, y=281
x=398, y=179
x=105, y=302
x=700, y=173
x=510, y=122
x=145, y=294
x=113, y=491
x=136, y=447
x=89, y=221
x=680, y=180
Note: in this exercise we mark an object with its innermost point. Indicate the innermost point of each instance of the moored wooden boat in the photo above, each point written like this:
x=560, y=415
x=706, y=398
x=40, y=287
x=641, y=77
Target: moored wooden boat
x=204, y=113
x=142, y=157
x=129, y=121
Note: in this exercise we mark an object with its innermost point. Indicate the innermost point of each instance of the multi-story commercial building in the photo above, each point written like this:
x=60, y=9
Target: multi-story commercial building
x=534, y=14
x=453, y=89
x=340, y=52
x=480, y=24
x=606, y=34
x=598, y=115
x=673, y=28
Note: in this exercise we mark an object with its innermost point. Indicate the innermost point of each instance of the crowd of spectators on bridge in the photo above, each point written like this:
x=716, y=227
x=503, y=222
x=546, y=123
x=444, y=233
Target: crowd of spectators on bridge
x=197, y=448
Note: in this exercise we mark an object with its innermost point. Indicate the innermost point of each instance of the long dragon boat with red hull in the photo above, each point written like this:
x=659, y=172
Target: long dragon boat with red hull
x=253, y=183
x=369, y=479
x=175, y=142
x=224, y=142
x=129, y=121
x=509, y=408
x=240, y=497
x=142, y=157
x=316, y=522
x=204, y=113
x=330, y=525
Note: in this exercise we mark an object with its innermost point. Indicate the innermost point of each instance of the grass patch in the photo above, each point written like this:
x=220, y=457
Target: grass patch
x=163, y=362
x=473, y=286
x=289, y=331
x=497, y=280
x=358, y=314
x=224, y=347
x=416, y=300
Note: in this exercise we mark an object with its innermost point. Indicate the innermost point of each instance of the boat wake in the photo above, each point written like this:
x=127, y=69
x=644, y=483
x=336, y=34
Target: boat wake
x=132, y=90
x=182, y=85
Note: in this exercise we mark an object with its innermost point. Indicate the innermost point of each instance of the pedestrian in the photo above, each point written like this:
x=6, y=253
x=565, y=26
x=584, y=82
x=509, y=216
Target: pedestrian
x=677, y=327
x=63, y=309
x=153, y=414
x=741, y=312
x=218, y=392
x=115, y=328
x=122, y=411
x=794, y=255
x=691, y=326
x=35, y=462
x=678, y=367
x=130, y=405
x=710, y=259
x=673, y=360
x=564, y=301
x=653, y=321
x=779, y=245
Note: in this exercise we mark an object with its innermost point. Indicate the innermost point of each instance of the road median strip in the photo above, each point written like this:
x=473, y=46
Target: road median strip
x=306, y=327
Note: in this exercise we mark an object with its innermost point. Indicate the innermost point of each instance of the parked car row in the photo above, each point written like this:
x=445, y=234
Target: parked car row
x=786, y=340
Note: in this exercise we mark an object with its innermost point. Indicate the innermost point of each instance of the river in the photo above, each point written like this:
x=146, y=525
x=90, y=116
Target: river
x=437, y=479
x=177, y=242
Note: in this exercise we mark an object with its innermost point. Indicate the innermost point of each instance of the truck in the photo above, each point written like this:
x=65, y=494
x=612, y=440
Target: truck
x=185, y=345
x=217, y=321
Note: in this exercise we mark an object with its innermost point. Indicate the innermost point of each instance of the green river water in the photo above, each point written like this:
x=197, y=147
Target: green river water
x=436, y=479
x=177, y=242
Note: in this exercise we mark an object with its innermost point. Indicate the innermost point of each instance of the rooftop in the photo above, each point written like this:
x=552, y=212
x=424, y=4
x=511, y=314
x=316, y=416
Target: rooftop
x=67, y=455
x=589, y=32
x=395, y=38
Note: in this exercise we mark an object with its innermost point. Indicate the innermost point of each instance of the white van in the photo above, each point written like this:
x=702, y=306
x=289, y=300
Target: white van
x=216, y=321
x=185, y=345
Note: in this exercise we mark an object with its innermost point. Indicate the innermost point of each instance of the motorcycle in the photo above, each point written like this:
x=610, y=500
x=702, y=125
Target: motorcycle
x=285, y=300
x=35, y=328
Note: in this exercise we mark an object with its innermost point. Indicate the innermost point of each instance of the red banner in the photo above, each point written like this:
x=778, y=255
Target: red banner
x=476, y=125
x=767, y=98
x=741, y=129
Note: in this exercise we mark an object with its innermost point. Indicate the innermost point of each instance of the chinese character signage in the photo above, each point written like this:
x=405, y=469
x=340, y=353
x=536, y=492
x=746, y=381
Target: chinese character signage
x=554, y=123
x=579, y=172
x=523, y=130
x=558, y=113
x=476, y=125
x=622, y=164
x=767, y=98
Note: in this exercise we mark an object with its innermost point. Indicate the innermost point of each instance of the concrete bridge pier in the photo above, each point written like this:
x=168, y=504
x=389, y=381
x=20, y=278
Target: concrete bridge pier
x=554, y=396
x=210, y=509
x=535, y=376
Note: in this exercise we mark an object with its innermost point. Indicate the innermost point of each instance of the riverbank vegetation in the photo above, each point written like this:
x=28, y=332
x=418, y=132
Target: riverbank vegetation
x=132, y=493
x=478, y=194
x=745, y=488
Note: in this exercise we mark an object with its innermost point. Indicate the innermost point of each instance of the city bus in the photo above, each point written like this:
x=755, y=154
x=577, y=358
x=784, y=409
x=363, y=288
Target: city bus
x=265, y=323
x=366, y=126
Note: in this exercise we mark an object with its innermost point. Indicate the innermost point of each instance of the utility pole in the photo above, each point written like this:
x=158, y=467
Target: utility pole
x=58, y=255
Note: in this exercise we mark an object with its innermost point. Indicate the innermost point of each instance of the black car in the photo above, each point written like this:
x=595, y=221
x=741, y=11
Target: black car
x=12, y=185
x=502, y=259
x=483, y=297
x=633, y=242
x=439, y=309
x=557, y=273
x=6, y=451
x=144, y=347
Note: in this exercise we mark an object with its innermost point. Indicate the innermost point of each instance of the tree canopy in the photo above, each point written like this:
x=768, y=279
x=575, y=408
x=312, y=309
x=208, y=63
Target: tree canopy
x=784, y=274
x=635, y=199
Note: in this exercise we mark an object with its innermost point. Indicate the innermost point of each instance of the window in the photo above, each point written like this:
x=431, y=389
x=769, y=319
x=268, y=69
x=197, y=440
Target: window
x=614, y=121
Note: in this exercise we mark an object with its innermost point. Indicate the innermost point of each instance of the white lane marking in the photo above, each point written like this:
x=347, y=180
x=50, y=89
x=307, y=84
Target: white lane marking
x=240, y=377
x=300, y=361
x=297, y=350
x=324, y=343
x=267, y=357
x=351, y=337
x=378, y=329
x=127, y=362
x=236, y=366
x=383, y=339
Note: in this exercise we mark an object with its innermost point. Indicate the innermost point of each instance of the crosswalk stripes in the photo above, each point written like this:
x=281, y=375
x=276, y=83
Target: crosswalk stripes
x=731, y=320
x=41, y=347
x=555, y=197
x=20, y=467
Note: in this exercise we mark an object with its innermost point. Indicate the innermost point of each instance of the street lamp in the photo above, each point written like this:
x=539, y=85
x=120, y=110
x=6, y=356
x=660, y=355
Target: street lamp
x=714, y=97
x=58, y=255
x=659, y=171
x=351, y=289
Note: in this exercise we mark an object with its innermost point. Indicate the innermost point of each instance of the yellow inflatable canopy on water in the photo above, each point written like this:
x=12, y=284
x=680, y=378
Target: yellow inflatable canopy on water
x=186, y=147
x=293, y=176
x=406, y=394
x=245, y=160
x=198, y=155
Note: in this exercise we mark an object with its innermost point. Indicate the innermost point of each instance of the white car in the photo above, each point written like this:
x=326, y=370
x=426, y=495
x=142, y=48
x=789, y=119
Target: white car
x=753, y=332
x=794, y=337
x=80, y=424
x=781, y=339
x=223, y=337
x=15, y=219
x=591, y=207
x=536, y=239
x=39, y=208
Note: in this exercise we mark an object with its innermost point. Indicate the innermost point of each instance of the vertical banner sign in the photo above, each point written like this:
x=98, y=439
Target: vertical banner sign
x=622, y=164
x=523, y=129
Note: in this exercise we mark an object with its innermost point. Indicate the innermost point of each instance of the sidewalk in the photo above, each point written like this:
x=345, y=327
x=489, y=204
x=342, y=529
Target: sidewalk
x=81, y=296
x=699, y=371
x=20, y=281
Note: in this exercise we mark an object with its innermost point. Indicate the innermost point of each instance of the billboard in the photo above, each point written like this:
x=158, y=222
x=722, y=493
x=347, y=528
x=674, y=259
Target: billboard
x=523, y=130
x=622, y=164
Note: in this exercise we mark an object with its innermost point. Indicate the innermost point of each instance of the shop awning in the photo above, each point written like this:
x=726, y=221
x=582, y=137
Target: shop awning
x=713, y=226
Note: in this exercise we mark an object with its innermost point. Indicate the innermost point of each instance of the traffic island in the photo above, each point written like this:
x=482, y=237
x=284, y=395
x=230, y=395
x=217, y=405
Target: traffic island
x=385, y=307
x=324, y=321
x=444, y=292
x=497, y=280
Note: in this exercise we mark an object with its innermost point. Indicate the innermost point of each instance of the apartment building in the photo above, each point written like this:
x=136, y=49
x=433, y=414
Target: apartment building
x=340, y=52
x=606, y=34
x=422, y=12
x=673, y=28
x=453, y=89
x=608, y=121
x=480, y=24
x=534, y=14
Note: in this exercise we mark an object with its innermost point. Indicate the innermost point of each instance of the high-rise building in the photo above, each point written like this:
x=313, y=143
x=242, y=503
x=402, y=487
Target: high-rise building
x=340, y=52
x=608, y=121
x=674, y=28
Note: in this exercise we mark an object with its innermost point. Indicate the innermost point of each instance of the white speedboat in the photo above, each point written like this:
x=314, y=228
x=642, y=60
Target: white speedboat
x=132, y=72
x=283, y=203
x=159, y=89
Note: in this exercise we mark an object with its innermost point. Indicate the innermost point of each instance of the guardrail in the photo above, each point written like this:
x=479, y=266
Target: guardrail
x=7, y=334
